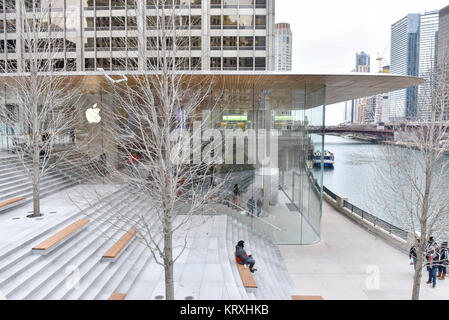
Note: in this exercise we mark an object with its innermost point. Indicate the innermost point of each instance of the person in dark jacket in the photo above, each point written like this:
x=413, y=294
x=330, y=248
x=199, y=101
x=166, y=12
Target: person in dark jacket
x=243, y=258
x=414, y=253
x=431, y=244
x=251, y=206
x=444, y=259
x=433, y=258
x=259, y=206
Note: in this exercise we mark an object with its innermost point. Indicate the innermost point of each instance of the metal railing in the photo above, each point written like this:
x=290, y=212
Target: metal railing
x=377, y=222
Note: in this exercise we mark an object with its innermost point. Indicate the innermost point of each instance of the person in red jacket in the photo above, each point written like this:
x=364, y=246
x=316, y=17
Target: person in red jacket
x=242, y=258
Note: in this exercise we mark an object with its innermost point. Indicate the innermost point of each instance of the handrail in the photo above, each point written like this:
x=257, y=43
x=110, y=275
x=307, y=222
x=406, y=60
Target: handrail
x=252, y=214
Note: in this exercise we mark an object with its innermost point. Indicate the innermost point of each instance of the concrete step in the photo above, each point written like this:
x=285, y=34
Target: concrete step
x=72, y=252
x=27, y=189
x=11, y=256
x=125, y=282
x=17, y=185
x=91, y=267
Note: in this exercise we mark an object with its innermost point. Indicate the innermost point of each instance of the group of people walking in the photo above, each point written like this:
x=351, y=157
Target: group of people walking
x=437, y=259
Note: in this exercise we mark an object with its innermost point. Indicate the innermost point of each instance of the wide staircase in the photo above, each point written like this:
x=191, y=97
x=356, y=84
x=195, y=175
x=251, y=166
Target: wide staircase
x=16, y=185
x=77, y=269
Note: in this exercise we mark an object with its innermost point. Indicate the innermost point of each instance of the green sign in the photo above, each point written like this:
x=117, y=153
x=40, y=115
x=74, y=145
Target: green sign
x=235, y=118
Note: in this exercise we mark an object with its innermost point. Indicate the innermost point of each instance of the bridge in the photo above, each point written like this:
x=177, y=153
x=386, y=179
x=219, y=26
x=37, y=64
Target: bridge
x=365, y=130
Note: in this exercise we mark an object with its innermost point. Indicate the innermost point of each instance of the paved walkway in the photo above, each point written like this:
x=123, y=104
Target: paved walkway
x=344, y=265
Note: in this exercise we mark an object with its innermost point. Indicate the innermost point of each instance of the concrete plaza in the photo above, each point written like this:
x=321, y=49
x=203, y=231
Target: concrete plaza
x=352, y=264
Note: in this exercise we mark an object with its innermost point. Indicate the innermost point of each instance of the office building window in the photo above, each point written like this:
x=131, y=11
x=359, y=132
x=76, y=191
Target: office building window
x=246, y=3
x=215, y=63
x=133, y=63
x=261, y=3
x=195, y=22
x=131, y=23
x=118, y=23
x=118, y=43
x=215, y=22
x=133, y=43
x=215, y=3
x=90, y=24
x=102, y=23
x=118, y=64
x=103, y=44
x=230, y=22
x=195, y=43
x=11, y=25
x=246, y=43
x=89, y=64
x=260, y=43
x=230, y=3
x=260, y=63
x=229, y=63
x=246, y=22
x=246, y=63
x=195, y=63
x=11, y=65
x=90, y=44
x=70, y=64
x=102, y=4
x=261, y=22
x=229, y=43
x=215, y=43
x=104, y=63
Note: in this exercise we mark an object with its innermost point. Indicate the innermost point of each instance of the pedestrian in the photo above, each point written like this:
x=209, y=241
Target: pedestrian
x=259, y=206
x=243, y=258
x=250, y=206
x=431, y=244
x=444, y=260
x=414, y=253
x=72, y=135
x=236, y=192
x=102, y=164
x=433, y=259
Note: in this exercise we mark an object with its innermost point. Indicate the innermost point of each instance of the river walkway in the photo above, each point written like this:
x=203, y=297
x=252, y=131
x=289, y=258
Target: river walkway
x=349, y=263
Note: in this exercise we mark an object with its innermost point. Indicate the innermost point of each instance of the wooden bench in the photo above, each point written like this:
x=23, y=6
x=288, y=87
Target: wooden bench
x=307, y=298
x=49, y=244
x=11, y=201
x=245, y=275
x=118, y=247
x=117, y=296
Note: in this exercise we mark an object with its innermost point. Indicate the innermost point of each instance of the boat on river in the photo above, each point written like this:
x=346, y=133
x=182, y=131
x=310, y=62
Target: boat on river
x=329, y=159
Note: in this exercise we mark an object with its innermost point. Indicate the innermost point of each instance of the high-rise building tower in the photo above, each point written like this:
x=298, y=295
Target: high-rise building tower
x=283, y=38
x=363, y=62
x=361, y=112
x=413, y=43
x=443, y=52
x=116, y=34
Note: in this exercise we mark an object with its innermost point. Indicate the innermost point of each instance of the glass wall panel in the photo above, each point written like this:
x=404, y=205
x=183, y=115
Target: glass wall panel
x=273, y=130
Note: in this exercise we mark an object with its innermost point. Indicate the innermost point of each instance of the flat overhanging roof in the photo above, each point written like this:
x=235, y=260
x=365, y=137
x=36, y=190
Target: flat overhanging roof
x=339, y=87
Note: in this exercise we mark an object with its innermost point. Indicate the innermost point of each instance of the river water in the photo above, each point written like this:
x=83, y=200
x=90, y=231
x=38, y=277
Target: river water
x=353, y=175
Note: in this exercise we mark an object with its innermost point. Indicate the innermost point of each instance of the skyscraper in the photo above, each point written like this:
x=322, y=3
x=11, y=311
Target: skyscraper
x=413, y=43
x=283, y=38
x=360, y=110
x=443, y=52
x=116, y=34
x=363, y=62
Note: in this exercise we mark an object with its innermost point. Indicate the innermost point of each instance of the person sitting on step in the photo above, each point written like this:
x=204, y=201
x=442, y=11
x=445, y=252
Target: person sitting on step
x=243, y=258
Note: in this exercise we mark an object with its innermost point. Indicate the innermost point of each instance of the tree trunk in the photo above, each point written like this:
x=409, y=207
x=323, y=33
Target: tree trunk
x=168, y=264
x=419, y=267
x=36, y=175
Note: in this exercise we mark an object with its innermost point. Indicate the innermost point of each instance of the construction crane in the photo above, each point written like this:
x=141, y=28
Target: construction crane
x=380, y=58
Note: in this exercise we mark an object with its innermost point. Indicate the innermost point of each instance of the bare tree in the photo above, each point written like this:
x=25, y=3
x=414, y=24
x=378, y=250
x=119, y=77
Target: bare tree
x=44, y=96
x=155, y=118
x=413, y=179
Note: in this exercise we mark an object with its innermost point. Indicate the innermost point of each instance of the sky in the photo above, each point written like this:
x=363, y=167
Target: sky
x=328, y=33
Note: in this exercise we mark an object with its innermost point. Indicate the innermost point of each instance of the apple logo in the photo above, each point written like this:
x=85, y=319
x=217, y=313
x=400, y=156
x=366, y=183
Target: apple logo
x=93, y=114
